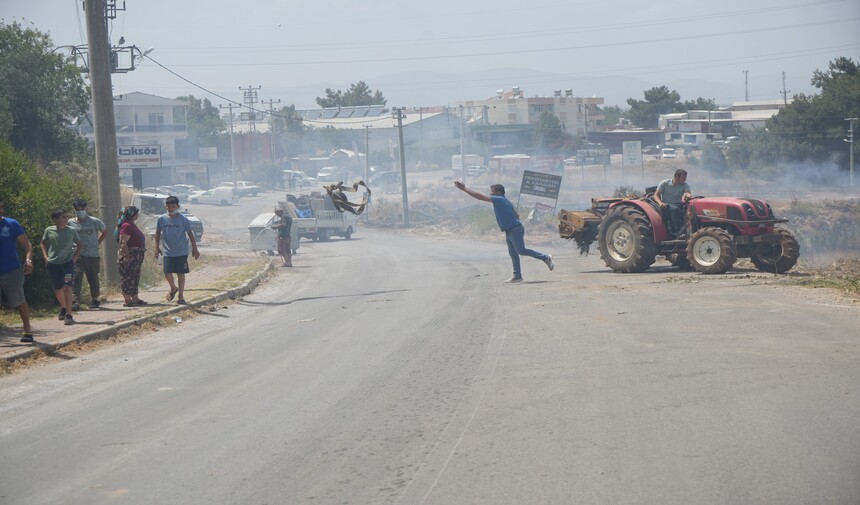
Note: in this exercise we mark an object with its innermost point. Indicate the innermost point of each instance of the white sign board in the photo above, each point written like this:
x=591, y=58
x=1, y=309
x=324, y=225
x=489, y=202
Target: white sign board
x=631, y=153
x=208, y=153
x=138, y=156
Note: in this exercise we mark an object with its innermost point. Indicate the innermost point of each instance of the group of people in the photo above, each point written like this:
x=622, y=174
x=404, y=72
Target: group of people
x=71, y=251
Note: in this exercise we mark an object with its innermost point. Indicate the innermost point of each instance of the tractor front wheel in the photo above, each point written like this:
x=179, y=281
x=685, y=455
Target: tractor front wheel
x=711, y=251
x=626, y=240
x=778, y=257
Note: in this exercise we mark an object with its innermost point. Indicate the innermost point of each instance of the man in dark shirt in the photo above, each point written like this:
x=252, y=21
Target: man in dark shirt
x=282, y=224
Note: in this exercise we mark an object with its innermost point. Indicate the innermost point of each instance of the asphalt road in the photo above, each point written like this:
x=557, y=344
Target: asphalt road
x=399, y=369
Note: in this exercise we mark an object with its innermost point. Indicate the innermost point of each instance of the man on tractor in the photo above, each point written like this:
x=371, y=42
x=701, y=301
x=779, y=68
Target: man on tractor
x=670, y=195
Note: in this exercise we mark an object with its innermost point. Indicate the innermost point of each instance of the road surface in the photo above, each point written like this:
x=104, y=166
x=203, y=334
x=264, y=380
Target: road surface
x=399, y=369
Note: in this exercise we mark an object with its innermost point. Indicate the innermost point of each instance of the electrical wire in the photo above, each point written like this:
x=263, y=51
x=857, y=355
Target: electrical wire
x=273, y=114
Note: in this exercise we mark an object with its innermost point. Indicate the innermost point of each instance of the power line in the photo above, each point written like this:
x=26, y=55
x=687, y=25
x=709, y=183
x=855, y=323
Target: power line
x=530, y=51
x=316, y=46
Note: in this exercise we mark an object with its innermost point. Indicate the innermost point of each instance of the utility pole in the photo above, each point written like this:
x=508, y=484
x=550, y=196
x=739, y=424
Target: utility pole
x=784, y=91
x=270, y=103
x=367, y=128
x=746, y=85
x=249, y=95
x=850, y=141
x=104, y=127
x=421, y=135
x=463, y=142
x=584, y=106
x=232, y=148
x=398, y=111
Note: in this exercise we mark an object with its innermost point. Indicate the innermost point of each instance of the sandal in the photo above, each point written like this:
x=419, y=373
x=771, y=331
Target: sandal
x=27, y=337
x=141, y=302
x=172, y=293
x=131, y=304
x=181, y=301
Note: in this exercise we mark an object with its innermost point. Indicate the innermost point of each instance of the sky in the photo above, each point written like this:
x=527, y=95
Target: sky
x=441, y=52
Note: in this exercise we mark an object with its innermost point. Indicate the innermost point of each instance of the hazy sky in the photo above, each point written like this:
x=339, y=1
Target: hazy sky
x=296, y=49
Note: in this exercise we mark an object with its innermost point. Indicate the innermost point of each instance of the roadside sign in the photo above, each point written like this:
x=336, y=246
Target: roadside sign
x=138, y=156
x=631, y=153
x=540, y=184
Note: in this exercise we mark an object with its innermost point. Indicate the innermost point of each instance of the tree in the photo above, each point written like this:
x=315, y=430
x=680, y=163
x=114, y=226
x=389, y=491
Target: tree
x=550, y=138
x=658, y=100
x=40, y=92
x=699, y=104
x=612, y=114
x=809, y=131
x=203, y=119
x=29, y=195
x=358, y=94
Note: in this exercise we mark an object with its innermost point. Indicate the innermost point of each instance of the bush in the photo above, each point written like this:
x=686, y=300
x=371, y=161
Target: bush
x=30, y=195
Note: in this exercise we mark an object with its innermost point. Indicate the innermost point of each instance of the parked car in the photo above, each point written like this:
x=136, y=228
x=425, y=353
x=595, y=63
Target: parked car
x=243, y=188
x=653, y=150
x=387, y=182
x=328, y=174
x=187, y=188
x=151, y=206
x=668, y=153
x=477, y=171
x=300, y=179
x=218, y=196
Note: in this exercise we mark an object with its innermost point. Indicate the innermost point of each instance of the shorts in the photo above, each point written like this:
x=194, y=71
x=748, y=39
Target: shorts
x=12, y=287
x=176, y=264
x=61, y=275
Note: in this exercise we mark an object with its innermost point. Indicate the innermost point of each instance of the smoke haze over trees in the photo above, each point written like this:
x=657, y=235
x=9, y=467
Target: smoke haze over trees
x=811, y=129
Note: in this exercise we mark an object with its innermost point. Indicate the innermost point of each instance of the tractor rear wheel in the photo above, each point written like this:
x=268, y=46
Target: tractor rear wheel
x=626, y=240
x=778, y=257
x=711, y=251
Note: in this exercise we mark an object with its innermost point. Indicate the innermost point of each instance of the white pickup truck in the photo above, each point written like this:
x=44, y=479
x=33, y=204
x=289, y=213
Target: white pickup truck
x=319, y=224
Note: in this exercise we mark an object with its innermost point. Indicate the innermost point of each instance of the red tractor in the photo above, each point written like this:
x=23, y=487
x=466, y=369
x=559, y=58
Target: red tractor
x=631, y=233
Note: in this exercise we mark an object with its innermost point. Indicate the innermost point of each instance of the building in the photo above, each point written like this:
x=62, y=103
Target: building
x=719, y=123
x=144, y=120
x=506, y=121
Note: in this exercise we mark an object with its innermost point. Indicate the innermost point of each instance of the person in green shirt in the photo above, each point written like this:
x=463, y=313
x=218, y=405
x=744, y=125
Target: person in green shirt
x=61, y=247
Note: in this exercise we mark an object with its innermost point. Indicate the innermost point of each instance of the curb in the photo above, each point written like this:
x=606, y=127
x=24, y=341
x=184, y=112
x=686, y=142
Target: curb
x=104, y=333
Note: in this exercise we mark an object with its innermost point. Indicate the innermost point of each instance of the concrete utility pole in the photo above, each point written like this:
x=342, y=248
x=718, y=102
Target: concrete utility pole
x=367, y=128
x=850, y=141
x=746, y=85
x=398, y=114
x=110, y=199
x=271, y=103
x=232, y=147
x=463, y=143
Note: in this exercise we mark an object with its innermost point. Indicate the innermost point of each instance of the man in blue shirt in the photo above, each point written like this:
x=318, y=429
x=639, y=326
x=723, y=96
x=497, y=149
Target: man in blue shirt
x=11, y=275
x=172, y=235
x=509, y=222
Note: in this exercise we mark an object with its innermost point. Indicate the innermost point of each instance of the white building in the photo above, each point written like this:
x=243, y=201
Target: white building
x=142, y=119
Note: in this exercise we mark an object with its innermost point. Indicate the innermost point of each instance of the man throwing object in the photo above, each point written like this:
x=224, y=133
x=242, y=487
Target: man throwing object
x=509, y=222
